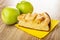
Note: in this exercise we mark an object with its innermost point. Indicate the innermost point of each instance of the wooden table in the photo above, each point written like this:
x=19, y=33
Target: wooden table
x=12, y=33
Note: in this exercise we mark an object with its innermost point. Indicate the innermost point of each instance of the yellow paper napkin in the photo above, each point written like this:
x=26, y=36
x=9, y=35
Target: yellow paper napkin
x=36, y=33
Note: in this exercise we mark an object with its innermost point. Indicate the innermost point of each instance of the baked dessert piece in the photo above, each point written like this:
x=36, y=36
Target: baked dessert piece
x=35, y=21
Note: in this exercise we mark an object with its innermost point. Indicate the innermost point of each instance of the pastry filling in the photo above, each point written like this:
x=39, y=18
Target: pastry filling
x=35, y=21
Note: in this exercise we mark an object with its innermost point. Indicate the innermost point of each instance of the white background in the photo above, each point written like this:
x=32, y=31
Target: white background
x=50, y=6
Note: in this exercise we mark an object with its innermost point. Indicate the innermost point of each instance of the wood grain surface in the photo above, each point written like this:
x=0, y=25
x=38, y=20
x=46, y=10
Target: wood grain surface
x=12, y=33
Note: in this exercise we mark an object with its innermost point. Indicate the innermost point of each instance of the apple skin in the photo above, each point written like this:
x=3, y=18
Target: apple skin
x=25, y=7
x=9, y=15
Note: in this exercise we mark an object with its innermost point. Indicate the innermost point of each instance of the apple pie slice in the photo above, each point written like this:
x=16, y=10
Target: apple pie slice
x=35, y=21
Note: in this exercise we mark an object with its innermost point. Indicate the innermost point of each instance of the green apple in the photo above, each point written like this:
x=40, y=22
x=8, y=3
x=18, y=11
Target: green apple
x=25, y=7
x=9, y=15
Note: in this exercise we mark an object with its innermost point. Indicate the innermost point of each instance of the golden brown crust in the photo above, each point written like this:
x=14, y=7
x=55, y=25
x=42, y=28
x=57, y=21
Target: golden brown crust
x=49, y=19
x=35, y=21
